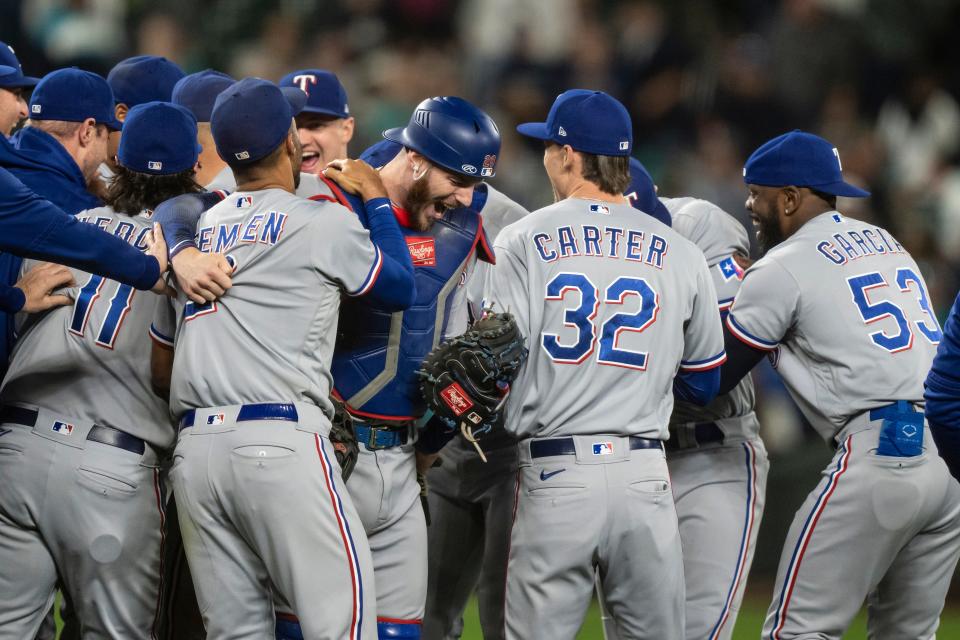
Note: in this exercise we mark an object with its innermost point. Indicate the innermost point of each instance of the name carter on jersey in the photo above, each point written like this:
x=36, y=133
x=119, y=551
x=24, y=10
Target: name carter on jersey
x=601, y=242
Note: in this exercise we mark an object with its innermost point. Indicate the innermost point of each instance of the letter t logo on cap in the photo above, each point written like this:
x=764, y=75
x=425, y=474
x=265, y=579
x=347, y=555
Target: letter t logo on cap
x=304, y=80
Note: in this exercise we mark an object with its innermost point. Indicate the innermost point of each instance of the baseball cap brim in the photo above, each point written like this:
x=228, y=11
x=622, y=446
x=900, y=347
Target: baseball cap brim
x=843, y=189
x=323, y=112
x=538, y=130
x=296, y=98
x=11, y=78
x=395, y=135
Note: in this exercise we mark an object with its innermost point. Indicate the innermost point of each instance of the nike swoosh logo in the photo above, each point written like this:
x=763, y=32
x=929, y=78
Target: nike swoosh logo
x=4, y=432
x=546, y=476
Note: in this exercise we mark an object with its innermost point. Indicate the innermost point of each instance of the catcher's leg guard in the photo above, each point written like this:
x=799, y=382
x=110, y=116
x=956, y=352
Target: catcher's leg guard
x=393, y=628
x=288, y=627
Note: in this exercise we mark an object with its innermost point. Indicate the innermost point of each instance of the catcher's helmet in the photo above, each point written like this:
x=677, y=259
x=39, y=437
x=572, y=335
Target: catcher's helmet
x=451, y=132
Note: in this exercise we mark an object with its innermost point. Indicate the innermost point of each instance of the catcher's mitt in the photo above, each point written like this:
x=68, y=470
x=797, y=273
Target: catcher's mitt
x=466, y=380
x=344, y=439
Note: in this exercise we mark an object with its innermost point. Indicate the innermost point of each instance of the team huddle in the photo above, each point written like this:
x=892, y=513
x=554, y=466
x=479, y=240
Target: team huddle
x=368, y=388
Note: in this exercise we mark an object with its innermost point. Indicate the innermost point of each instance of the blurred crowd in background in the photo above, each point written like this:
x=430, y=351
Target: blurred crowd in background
x=706, y=83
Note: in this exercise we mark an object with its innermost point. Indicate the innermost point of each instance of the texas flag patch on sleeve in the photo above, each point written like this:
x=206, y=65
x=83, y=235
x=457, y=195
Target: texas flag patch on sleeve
x=730, y=269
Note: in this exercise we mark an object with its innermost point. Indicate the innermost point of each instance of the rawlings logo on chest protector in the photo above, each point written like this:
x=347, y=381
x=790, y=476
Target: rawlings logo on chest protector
x=423, y=251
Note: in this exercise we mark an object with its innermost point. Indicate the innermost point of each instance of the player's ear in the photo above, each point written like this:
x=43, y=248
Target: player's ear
x=790, y=199
x=121, y=111
x=348, y=126
x=87, y=131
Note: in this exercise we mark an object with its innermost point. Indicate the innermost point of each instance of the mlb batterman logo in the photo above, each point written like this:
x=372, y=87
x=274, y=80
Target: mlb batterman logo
x=215, y=419
x=36, y=108
x=603, y=448
x=243, y=155
x=62, y=427
x=489, y=163
x=154, y=165
x=456, y=398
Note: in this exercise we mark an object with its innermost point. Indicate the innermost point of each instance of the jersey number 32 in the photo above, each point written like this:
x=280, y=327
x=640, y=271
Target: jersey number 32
x=582, y=318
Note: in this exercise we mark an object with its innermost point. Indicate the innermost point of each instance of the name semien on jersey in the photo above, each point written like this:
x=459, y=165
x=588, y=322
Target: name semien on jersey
x=843, y=246
x=594, y=241
x=265, y=228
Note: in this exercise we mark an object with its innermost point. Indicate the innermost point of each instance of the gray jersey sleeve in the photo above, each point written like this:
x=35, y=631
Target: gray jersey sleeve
x=163, y=329
x=353, y=261
x=505, y=286
x=703, y=335
x=766, y=306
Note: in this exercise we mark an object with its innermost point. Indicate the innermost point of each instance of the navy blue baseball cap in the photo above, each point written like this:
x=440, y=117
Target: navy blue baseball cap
x=11, y=73
x=73, y=95
x=799, y=159
x=325, y=93
x=588, y=121
x=642, y=193
x=159, y=138
x=198, y=91
x=252, y=117
x=143, y=79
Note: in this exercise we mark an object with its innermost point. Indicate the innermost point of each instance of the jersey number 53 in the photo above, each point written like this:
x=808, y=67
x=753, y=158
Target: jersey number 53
x=907, y=280
x=583, y=316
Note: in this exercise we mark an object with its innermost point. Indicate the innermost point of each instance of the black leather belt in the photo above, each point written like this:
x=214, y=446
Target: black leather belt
x=702, y=432
x=566, y=446
x=98, y=433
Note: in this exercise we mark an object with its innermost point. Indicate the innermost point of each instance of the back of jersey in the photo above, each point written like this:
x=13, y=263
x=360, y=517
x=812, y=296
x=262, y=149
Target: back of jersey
x=91, y=360
x=612, y=302
x=270, y=337
x=846, y=312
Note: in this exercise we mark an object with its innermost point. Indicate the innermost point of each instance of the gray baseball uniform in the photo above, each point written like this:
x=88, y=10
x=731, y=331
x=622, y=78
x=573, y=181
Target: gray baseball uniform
x=613, y=304
x=263, y=510
x=471, y=502
x=310, y=187
x=717, y=461
x=82, y=493
x=845, y=313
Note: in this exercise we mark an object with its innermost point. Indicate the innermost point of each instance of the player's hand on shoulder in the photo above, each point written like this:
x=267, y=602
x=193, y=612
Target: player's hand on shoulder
x=356, y=176
x=40, y=282
x=203, y=277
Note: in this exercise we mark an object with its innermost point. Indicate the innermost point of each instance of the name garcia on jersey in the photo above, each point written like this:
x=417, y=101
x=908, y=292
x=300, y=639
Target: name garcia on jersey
x=850, y=244
x=595, y=241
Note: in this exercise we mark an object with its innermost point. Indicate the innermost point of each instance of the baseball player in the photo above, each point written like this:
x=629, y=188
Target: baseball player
x=325, y=125
x=620, y=314
x=430, y=169
x=841, y=309
x=253, y=450
x=14, y=90
x=205, y=277
x=134, y=81
x=470, y=501
x=83, y=497
x=941, y=390
x=716, y=459
x=71, y=110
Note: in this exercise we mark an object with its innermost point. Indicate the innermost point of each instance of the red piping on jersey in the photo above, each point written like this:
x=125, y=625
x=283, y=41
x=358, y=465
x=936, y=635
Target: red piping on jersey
x=287, y=616
x=342, y=199
x=365, y=414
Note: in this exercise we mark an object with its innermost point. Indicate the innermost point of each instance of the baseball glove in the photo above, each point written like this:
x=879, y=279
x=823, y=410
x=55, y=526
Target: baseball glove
x=466, y=379
x=344, y=439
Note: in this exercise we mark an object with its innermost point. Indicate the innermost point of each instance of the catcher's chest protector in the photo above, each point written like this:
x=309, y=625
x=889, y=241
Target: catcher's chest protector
x=377, y=352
